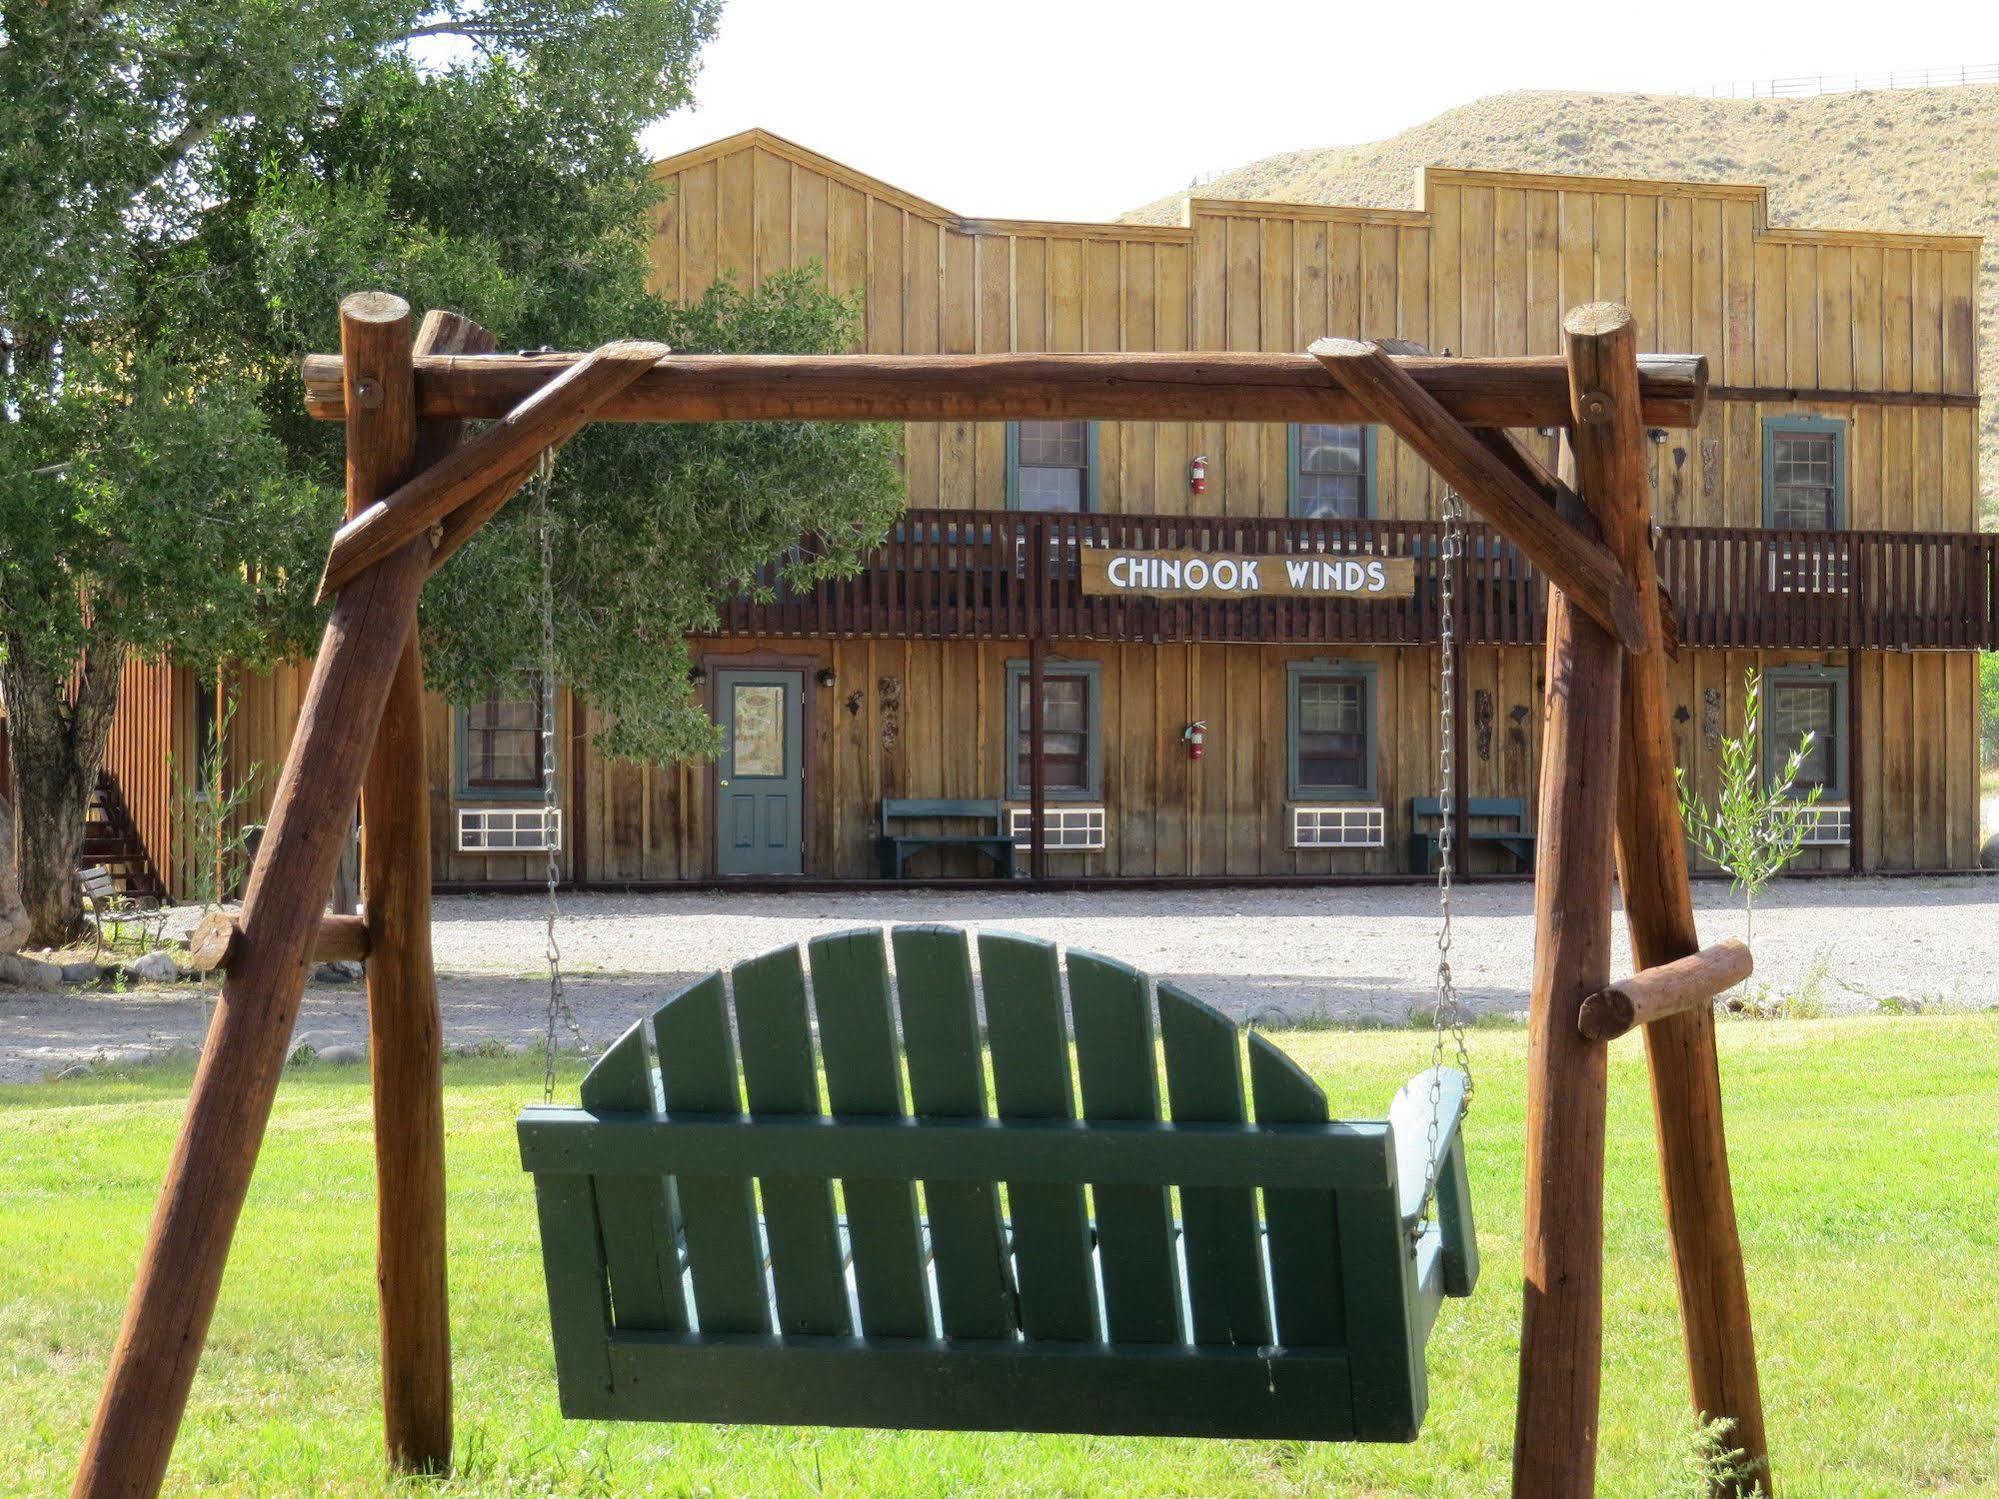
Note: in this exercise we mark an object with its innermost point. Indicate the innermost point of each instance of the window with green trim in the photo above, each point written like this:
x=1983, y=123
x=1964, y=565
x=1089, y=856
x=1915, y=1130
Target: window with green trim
x=1332, y=471
x=499, y=745
x=1071, y=742
x=1804, y=473
x=1331, y=723
x=1052, y=466
x=1800, y=701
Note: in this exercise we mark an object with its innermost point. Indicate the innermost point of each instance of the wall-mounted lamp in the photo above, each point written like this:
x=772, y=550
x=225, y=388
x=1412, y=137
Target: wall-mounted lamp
x=698, y=677
x=824, y=676
x=1657, y=434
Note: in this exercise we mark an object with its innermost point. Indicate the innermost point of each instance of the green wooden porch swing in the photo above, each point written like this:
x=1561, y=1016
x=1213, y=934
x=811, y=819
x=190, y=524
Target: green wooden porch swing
x=902, y=1256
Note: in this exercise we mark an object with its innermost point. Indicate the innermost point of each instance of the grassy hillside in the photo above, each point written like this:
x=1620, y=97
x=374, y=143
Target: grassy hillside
x=1924, y=159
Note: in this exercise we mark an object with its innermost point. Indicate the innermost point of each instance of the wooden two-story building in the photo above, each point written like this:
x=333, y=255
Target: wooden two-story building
x=1818, y=528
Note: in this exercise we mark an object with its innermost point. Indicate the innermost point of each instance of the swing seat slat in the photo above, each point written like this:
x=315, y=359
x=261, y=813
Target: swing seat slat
x=920, y=1251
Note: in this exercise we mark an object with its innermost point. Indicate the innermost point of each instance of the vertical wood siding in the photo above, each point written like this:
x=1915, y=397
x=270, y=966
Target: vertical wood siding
x=152, y=732
x=1486, y=266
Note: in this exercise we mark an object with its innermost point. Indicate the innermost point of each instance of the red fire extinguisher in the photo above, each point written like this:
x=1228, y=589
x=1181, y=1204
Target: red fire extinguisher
x=1196, y=735
x=1197, y=481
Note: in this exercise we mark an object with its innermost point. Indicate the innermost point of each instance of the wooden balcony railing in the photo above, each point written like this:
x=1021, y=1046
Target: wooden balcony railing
x=958, y=574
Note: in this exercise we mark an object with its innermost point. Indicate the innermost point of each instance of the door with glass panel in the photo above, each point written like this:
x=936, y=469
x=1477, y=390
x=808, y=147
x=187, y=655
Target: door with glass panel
x=760, y=777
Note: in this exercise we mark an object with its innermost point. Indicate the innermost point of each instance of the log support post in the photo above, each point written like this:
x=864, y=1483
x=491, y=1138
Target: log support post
x=385, y=446
x=1561, y=1329
x=243, y=1057
x=1615, y=479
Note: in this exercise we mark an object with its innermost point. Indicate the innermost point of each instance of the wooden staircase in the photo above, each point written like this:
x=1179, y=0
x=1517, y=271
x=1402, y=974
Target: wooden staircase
x=111, y=838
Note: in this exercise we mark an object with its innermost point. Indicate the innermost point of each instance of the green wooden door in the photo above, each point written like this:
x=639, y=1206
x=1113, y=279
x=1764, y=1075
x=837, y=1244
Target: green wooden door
x=760, y=778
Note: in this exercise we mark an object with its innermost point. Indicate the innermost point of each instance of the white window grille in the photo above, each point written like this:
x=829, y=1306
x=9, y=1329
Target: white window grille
x=508, y=830
x=1830, y=824
x=1338, y=825
x=1070, y=829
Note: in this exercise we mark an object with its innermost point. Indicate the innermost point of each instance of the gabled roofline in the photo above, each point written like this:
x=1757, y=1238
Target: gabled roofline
x=803, y=156
x=1427, y=177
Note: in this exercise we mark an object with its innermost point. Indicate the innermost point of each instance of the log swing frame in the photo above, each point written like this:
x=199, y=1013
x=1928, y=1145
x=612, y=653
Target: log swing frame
x=416, y=491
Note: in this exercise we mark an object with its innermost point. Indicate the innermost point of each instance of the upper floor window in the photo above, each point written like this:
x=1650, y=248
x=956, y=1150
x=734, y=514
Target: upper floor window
x=1051, y=466
x=1332, y=471
x=1332, y=723
x=1801, y=700
x=1804, y=473
x=500, y=745
x=1071, y=749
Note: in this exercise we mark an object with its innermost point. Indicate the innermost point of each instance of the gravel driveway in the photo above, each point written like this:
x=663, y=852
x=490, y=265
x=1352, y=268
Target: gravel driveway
x=1354, y=953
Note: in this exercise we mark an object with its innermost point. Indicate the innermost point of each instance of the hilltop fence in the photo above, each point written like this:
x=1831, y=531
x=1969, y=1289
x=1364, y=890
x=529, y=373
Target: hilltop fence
x=1805, y=84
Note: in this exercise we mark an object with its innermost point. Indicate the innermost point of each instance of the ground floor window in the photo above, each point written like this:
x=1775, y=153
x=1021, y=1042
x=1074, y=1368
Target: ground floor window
x=1071, y=744
x=1331, y=730
x=1801, y=700
x=499, y=743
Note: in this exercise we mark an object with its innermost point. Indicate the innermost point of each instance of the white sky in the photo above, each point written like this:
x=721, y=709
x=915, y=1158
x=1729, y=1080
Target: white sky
x=1079, y=109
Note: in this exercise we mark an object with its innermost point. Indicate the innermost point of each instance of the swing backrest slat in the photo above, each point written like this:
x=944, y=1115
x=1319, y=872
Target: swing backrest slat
x=940, y=1035
x=1030, y=1052
x=639, y=1215
x=696, y=1053
x=850, y=987
x=780, y=1078
x=1222, y=1238
x=1117, y=1068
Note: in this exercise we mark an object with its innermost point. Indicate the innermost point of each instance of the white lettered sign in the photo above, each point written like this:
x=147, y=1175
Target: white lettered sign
x=1206, y=575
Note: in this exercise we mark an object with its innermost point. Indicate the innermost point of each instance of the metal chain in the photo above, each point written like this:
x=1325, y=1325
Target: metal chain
x=1448, y=1010
x=558, y=1003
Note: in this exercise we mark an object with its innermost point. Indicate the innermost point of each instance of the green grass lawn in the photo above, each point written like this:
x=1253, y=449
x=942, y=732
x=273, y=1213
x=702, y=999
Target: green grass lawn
x=1867, y=1167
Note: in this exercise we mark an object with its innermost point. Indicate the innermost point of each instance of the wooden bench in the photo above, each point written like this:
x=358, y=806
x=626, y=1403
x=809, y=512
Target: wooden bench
x=988, y=837
x=1514, y=838
x=1302, y=1316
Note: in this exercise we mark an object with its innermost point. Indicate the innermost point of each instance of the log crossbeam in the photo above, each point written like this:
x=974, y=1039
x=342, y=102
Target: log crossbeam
x=217, y=941
x=1524, y=391
x=1670, y=989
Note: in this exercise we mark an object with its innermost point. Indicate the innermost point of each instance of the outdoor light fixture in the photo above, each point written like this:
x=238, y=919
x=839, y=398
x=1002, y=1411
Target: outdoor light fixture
x=824, y=676
x=698, y=676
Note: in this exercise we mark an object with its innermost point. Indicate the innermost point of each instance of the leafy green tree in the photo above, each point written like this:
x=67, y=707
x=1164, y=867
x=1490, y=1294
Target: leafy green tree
x=1756, y=823
x=189, y=186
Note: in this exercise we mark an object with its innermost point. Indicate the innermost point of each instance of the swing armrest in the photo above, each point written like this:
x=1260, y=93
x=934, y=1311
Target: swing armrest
x=1409, y=1119
x=1409, y=1116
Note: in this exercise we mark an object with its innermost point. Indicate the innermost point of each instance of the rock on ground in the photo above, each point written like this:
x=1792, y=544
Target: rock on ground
x=30, y=973
x=156, y=967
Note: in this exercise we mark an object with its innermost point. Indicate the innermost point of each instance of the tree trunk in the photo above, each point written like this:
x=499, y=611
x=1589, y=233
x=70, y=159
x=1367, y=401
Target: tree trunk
x=13, y=915
x=55, y=739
